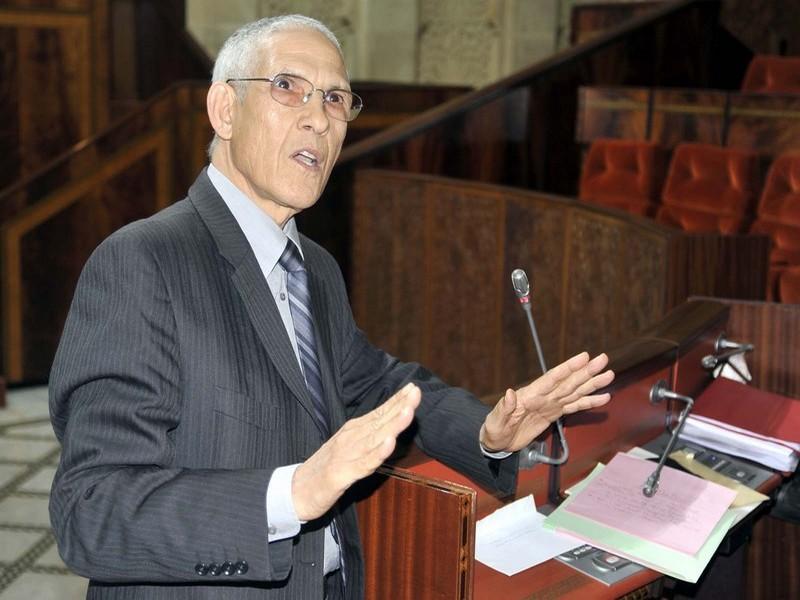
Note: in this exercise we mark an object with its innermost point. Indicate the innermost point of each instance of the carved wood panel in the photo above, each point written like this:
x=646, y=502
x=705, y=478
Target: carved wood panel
x=54, y=80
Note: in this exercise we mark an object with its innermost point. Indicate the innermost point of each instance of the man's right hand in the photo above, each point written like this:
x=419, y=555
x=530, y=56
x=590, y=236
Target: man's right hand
x=352, y=453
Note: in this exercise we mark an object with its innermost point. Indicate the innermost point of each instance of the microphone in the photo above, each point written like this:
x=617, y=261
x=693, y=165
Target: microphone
x=536, y=452
x=659, y=392
x=725, y=350
x=522, y=288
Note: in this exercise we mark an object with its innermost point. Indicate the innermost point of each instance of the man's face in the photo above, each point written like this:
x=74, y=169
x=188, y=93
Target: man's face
x=281, y=156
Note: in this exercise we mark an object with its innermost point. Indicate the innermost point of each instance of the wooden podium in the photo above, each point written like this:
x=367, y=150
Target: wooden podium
x=418, y=520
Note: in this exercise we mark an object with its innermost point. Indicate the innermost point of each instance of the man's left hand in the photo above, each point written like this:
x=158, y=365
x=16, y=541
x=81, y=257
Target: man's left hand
x=521, y=415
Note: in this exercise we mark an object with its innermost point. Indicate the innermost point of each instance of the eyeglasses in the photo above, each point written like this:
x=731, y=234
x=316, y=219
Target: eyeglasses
x=295, y=91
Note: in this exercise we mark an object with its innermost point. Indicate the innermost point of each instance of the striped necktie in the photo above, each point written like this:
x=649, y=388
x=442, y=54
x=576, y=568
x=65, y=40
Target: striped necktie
x=300, y=307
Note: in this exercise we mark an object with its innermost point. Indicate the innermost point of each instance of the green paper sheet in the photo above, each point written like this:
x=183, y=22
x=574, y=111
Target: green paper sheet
x=655, y=556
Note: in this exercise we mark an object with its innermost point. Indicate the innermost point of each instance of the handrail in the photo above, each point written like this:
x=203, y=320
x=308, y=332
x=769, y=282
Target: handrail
x=482, y=96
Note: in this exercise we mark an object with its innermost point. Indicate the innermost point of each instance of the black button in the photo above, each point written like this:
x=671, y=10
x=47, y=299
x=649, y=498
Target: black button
x=88, y=493
x=227, y=568
x=201, y=568
x=214, y=569
x=241, y=567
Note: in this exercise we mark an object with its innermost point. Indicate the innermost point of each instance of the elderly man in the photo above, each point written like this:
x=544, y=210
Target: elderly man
x=212, y=393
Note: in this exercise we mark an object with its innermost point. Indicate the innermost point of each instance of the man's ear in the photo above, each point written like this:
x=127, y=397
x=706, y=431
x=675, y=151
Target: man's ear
x=221, y=106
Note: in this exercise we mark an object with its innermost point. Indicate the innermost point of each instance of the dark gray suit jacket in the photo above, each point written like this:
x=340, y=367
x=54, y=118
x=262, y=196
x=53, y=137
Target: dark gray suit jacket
x=175, y=393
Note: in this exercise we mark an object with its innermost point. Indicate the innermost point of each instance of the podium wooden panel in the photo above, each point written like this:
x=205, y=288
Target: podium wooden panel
x=418, y=522
x=418, y=536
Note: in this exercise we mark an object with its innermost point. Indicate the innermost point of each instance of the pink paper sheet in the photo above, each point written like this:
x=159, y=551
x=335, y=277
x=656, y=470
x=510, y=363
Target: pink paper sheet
x=681, y=515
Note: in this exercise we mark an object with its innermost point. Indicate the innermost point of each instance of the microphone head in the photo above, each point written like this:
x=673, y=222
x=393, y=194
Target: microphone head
x=521, y=286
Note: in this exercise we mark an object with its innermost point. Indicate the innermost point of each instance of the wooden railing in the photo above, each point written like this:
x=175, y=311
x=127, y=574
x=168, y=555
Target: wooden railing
x=432, y=259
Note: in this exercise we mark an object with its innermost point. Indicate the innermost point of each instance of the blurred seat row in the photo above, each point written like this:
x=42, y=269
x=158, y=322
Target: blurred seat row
x=705, y=188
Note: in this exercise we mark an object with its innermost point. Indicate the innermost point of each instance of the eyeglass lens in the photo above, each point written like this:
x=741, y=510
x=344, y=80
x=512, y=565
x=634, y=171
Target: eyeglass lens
x=292, y=90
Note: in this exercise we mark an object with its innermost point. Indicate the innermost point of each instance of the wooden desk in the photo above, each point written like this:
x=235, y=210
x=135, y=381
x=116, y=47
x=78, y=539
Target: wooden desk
x=419, y=537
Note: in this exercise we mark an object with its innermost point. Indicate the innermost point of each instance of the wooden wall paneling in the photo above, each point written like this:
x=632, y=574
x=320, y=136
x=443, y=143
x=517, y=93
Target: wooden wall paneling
x=28, y=248
x=717, y=265
x=613, y=279
x=56, y=59
x=386, y=243
x=773, y=556
x=10, y=148
x=687, y=116
x=616, y=112
x=532, y=220
x=466, y=233
x=766, y=123
x=425, y=549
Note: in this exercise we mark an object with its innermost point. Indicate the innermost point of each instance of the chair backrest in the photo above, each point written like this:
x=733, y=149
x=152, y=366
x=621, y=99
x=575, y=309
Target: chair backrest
x=770, y=73
x=625, y=174
x=778, y=216
x=710, y=189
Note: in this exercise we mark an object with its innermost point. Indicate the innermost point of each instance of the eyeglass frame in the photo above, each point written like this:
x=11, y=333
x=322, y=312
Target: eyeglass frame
x=307, y=96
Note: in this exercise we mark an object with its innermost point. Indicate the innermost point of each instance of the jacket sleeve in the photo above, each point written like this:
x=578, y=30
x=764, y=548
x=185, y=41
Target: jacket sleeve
x=120, y=508
x=448, y=420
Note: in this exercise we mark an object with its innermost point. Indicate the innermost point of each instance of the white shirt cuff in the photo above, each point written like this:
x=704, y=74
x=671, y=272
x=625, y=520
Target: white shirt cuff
x=282, y=521
x=498, y=455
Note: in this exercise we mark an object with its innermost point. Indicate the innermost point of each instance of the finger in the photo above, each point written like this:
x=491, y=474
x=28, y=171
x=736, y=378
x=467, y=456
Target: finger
x=555, y=376
x=408, y=396
x=394, y=422
x=586, y=403
x=589, y=387
x=580, y=382
x=508, y=403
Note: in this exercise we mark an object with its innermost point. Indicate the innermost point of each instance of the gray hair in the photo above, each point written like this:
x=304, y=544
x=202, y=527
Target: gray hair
x=239, y=55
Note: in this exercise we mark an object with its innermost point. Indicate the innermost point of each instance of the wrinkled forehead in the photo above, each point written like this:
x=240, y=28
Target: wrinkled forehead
x=304, y=52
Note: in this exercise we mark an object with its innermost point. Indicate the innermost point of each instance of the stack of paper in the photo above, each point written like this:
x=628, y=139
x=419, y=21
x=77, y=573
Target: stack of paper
x=675, y=532
x=744, y=421
x=769, y=451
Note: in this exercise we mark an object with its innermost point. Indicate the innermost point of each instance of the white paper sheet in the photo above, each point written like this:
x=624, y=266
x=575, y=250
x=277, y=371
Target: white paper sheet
x=512, y=538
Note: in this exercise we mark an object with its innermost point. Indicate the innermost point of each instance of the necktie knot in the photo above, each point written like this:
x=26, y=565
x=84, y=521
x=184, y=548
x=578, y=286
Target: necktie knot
x=291, y=259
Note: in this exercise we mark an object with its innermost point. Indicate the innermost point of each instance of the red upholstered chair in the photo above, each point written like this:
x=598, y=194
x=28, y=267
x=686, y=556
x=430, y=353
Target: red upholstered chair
x=625, y=174
x=769, y=73
x=778, y=216
x=710, y=189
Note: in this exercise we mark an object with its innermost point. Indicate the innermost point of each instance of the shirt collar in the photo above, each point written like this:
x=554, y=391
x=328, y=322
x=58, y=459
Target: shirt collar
x=264, y=236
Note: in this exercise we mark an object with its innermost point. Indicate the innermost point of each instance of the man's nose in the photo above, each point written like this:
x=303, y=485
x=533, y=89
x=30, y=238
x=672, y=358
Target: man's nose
x=314, y=114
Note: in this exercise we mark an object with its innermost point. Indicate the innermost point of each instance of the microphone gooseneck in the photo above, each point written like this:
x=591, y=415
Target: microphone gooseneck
x=659, y=392
x=537, y=451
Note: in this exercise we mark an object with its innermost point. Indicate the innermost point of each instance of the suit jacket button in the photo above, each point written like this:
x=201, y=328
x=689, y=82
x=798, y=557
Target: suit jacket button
x=227, y=568
x=241, y=567
x=201, y=569
x=214, y=569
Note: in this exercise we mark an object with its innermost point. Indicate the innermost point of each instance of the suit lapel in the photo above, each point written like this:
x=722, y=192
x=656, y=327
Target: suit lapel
x=249, y=282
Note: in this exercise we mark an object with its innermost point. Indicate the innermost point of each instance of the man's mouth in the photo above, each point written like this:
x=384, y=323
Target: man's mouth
x=306, y=158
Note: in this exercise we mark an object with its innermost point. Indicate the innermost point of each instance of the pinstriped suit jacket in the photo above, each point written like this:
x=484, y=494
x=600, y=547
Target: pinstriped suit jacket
x=175, y=393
